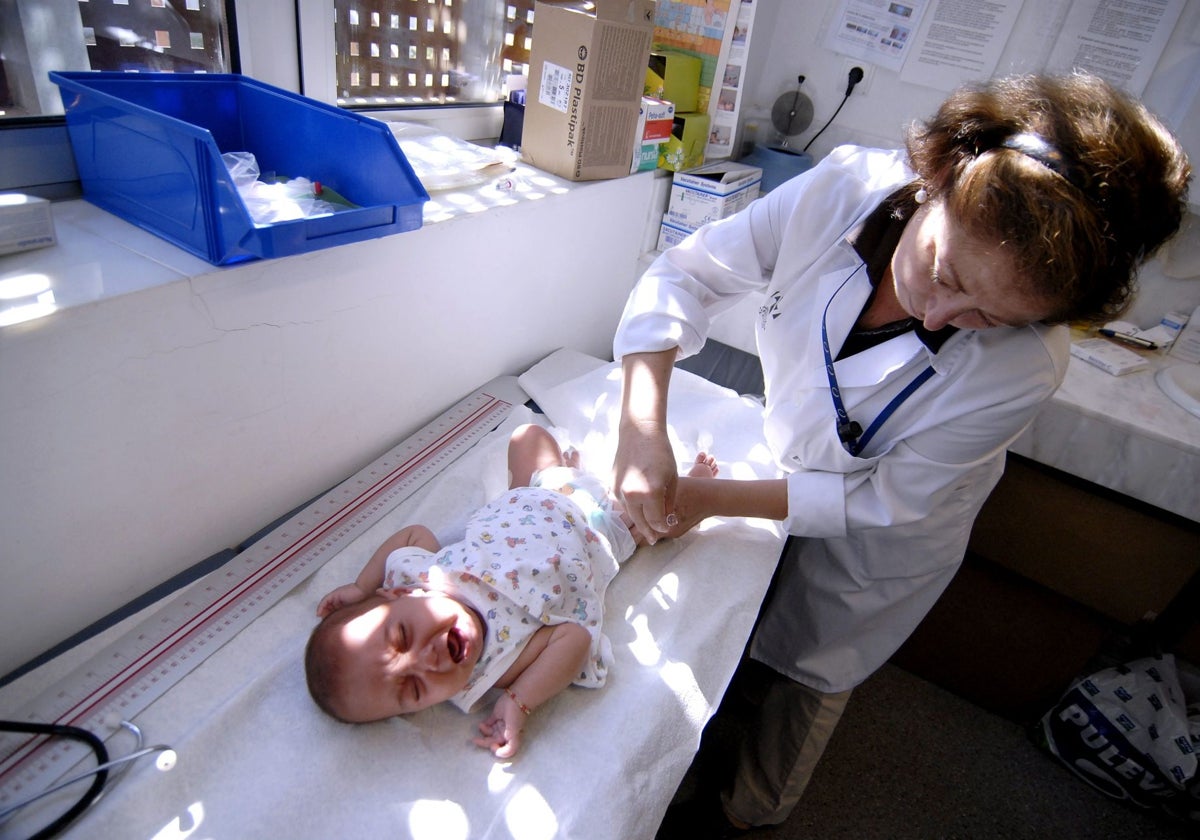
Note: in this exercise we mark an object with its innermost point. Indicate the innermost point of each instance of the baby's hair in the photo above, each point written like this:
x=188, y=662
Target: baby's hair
x=324, y=656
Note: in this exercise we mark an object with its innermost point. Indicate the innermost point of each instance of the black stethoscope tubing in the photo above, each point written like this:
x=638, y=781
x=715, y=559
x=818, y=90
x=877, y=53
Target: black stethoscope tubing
x=100, y=773
x=100, y=776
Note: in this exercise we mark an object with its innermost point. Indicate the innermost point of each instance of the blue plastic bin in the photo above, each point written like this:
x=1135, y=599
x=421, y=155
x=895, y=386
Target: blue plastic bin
x=148, y=148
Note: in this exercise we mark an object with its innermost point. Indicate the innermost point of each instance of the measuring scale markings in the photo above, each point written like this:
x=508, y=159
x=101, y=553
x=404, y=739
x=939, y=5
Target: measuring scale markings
x=177, y=638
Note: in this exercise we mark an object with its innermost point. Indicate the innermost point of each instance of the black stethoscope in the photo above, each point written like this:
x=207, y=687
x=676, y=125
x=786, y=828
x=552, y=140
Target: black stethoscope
x=849, y=432
x=100, y=773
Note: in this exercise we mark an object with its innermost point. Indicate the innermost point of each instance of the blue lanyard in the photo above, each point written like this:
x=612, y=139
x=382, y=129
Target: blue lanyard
x=849, y=432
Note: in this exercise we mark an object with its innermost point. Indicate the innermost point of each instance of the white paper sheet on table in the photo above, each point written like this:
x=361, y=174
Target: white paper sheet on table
x=256, y=758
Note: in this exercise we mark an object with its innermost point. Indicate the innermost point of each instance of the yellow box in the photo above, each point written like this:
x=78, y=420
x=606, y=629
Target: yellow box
x=684, y=149
x=675, y=77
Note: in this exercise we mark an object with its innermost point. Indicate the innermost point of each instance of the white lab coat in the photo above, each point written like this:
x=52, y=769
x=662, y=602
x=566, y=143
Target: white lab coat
x=887, y=529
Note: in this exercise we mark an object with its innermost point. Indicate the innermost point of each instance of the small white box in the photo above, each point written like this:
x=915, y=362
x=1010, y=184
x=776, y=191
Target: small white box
x=1107, y=356
x=708, y=193
x=1187, y=344
x=25, y=223
x=656, y=120
x=671, y=235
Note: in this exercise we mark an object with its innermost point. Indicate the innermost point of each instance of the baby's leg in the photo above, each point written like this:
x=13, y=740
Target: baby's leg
x=531, y=448
x=704, y=467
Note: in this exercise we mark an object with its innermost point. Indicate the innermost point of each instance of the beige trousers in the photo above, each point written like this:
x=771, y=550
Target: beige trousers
x=790, y=726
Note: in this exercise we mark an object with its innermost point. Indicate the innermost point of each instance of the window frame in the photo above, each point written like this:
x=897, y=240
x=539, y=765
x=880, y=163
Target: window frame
x=35, y=154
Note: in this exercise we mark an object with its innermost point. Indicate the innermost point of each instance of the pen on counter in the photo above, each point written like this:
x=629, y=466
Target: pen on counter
x=1135, y=341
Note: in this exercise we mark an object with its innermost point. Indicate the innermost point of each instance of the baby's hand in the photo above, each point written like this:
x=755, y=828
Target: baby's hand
x=340, y=597
x=501, y=733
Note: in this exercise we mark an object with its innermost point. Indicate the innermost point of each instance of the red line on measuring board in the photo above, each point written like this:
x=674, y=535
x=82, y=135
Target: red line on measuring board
x=196, y=623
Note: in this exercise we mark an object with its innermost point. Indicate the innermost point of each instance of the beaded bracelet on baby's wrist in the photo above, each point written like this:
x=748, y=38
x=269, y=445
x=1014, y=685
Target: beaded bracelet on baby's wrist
x=517, y=700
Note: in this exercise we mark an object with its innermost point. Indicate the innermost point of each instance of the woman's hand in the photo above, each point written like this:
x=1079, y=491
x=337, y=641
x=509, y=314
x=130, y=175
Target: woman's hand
x=644, y=471
x=644, y=479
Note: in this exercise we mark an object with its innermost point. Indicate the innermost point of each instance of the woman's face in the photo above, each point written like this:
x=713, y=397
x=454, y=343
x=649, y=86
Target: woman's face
x=945, y=277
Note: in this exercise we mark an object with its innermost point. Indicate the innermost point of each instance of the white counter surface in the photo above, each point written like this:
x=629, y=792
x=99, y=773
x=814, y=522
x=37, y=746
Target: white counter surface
x=1123, y=433
x=100, y=255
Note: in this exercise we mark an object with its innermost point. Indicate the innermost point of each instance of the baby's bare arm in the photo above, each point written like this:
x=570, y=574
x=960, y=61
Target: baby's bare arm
x=371, y=576
x=549, y=663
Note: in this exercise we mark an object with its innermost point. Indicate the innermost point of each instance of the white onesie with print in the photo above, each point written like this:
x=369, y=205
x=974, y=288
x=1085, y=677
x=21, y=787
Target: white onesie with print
x=532, y=557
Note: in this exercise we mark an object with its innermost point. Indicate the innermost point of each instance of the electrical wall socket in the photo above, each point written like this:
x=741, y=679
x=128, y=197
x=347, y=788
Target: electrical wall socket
x=868, y=74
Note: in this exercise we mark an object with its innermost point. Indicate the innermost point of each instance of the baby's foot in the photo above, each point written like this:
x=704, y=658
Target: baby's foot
x=704, y=467
x=570, y=457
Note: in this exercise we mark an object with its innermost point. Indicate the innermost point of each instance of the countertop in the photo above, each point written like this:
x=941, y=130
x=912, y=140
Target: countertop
x=1123, y=433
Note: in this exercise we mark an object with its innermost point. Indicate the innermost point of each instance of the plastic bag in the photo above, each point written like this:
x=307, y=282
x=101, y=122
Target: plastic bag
x=1128, y=731
x=443, y=162
x=279, y=201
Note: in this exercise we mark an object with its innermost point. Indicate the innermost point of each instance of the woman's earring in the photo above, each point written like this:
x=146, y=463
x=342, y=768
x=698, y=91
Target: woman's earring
x=921, y=196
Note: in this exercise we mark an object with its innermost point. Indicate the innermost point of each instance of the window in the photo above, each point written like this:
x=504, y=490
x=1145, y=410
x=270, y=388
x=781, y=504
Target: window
x=153, y=35
x=368, y=54
x=423, y=52
x=385, y=52
x=175, y=37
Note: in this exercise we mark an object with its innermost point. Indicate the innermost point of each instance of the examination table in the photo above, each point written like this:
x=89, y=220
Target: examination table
x=256, y=758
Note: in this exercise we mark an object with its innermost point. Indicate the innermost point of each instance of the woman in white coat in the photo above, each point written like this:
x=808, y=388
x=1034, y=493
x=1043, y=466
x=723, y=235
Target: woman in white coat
x=911, y=328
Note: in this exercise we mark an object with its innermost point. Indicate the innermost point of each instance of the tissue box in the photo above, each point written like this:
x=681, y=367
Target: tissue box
x=25, y=223
x=585, y=86
x=674, y=76
x=708, y=193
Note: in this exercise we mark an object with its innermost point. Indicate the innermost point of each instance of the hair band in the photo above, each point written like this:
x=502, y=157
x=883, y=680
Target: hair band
x=1038, y=148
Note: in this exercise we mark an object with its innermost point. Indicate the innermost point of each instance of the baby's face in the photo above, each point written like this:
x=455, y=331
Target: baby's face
x=410, y=651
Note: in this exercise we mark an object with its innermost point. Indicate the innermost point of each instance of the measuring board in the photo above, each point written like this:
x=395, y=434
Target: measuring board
x=128, y=675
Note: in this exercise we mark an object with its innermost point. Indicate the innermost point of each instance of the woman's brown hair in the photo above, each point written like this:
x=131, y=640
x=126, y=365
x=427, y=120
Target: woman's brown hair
x=1078, y=221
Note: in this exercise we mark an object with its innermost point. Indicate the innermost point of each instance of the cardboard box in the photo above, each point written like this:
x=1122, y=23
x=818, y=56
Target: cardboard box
x=684, y=149
x=26, y=223
x=670, y=235
x=585, y=86
x=657, y=119
x=674, y=76
x=1107, y=356
x=703, y=195
x=1187, y=344
x=645, y=157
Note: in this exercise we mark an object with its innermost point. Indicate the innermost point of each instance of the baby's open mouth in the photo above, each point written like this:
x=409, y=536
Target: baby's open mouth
x=456, y=644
